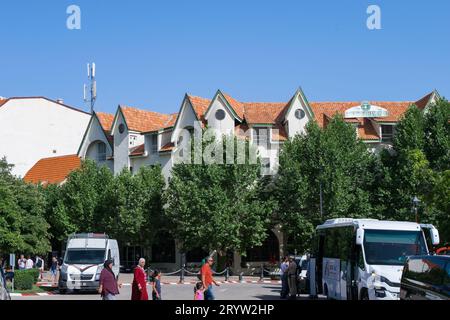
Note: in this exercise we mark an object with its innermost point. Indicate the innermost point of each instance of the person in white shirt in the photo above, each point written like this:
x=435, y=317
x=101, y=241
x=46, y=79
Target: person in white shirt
x=29, y=264
x=21, y=262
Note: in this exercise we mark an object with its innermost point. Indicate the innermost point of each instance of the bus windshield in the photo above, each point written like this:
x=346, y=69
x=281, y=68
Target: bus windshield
x=392, y=247
x=85, y=256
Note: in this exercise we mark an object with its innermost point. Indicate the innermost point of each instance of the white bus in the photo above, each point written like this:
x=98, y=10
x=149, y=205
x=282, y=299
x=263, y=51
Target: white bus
x=362, y=259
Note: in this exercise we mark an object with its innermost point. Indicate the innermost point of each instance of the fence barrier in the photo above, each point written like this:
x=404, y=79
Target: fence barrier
x=226, y=273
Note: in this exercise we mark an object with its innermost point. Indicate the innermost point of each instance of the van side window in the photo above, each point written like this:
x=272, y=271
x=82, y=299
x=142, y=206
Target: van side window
x=109, y=255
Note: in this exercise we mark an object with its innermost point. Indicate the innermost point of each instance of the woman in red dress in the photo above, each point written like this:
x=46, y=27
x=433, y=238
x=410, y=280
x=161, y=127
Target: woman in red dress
x=139, y=287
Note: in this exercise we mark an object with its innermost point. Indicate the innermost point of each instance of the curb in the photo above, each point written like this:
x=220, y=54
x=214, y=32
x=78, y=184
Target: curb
x=31, y=294
x=43, y=284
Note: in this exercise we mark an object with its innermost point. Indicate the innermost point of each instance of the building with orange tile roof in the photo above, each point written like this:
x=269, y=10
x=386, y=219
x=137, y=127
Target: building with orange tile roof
x=53, y=170
x=141, y=137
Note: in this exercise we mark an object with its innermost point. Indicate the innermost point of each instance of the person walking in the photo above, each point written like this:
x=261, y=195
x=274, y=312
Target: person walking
x=139, y=286
x=284, y=277
x=156, y=285
x=292, y=277
x=21, y=262
x=199, y=291
x=40, y=265
x=53, y=270
x=109, y=287
x=29, y=264
x=207, y=279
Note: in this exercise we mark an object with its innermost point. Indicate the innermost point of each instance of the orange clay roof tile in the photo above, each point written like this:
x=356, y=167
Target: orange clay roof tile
x=52, y=170
x=106, y=120
x=143, y=120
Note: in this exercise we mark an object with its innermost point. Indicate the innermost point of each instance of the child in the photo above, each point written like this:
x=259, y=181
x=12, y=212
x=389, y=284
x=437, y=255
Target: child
x=156, y=285
x=199, y=291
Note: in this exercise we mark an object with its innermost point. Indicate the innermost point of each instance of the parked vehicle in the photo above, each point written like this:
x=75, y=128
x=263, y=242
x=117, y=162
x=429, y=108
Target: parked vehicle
x=83, y=261
x=443, y=250
x=4, y=293
x=426, y=278
x=363, y=258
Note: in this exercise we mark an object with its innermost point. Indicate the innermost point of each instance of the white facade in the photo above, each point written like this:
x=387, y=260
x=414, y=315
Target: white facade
x=36, y=128
x=96, y=146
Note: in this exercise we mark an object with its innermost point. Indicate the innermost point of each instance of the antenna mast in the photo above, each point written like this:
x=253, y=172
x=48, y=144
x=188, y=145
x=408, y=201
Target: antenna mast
x=93, y=87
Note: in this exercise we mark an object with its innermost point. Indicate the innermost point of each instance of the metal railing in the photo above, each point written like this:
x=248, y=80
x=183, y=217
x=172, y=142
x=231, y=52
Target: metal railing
x=184, y=271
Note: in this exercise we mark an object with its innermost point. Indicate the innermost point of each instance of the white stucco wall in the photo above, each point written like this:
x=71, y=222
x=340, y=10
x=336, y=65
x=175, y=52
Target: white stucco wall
x=187, y=118
x=296, y=126
x=36, y=128
x=222, y=127
x=121, y=146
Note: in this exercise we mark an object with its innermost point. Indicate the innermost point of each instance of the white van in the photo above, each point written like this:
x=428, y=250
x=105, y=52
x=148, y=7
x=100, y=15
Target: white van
x=83, y=261
x=363, y=258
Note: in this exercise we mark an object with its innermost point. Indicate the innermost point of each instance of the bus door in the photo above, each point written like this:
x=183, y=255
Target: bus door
x=318, y=243
x=319, y=262
x=344, y=272
x=352, y=273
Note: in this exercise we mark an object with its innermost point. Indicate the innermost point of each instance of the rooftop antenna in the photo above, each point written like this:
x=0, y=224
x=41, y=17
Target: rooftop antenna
x=93, y=87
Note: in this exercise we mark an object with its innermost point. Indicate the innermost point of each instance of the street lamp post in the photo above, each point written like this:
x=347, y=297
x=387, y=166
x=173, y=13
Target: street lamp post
x=416, y=203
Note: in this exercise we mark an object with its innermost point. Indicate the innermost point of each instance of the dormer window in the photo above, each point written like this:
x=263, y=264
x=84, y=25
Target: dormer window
x=101, y=152
x=154, y=142
x=261, y=136
x=300, y=114
x=387, y=133
x=220, y=115
x=180, y=140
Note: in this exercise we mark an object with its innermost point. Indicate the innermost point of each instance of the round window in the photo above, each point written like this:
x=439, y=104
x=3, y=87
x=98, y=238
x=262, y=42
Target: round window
x=121, y=128
x=220, y=114
x=299, y=114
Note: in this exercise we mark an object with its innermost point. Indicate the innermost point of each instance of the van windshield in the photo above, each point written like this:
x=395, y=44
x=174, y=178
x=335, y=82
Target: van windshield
x=392, y=247
x=85, y=256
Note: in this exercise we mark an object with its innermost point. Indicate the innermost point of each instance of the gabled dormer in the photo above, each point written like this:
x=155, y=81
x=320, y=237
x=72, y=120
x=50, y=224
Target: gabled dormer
x=97, y=143
x=297, y=114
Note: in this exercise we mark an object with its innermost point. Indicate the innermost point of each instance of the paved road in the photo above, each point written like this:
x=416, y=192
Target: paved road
x=226, y=291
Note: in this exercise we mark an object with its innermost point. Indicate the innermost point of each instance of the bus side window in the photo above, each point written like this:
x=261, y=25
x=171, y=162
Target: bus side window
x=360, y=258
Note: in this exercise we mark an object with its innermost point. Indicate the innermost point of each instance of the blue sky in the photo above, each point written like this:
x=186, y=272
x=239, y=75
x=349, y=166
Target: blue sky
x=150, y=53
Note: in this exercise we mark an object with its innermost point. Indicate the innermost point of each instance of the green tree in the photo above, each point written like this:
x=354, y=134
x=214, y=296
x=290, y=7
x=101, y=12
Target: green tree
x=76, y=205
x=132, y=205
x=22, y=224
x=439, y=201
x=332, y=158
x=420, y=145
x=437, y=135
x=218, y=206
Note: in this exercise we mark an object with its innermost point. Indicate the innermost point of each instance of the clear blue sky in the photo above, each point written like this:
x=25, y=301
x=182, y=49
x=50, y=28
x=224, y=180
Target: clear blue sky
x=149, y=53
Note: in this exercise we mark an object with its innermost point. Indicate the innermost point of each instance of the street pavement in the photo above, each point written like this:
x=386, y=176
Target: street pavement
x=251, y=289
